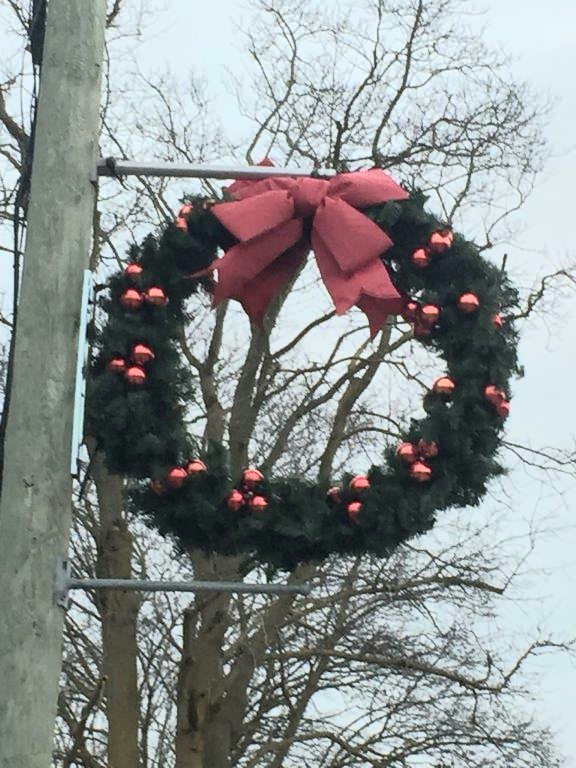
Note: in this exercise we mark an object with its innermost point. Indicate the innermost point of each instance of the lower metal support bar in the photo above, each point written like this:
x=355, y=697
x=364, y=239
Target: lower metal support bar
x=64, y=584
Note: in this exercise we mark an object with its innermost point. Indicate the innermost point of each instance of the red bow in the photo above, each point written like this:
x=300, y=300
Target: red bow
x=267, y=219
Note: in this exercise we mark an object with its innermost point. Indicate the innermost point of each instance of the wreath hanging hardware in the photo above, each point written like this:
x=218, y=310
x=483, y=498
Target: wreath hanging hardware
x=377, y=249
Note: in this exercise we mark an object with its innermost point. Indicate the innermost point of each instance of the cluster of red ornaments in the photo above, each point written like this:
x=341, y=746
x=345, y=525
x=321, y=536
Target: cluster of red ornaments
x=358, y=484
x=425, y=316
x=497, y=398
x=133, y=299
x=438, y=242
x=187, y=208
x=415, y=455
x=445, y=386
x=177, y=476
x=133, y=369
x=246, y=497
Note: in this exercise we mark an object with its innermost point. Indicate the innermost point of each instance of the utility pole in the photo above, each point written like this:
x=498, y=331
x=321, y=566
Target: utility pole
x=35, y=509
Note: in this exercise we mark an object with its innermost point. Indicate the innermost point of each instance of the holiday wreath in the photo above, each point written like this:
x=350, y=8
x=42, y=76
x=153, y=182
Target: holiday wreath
x=376, y=248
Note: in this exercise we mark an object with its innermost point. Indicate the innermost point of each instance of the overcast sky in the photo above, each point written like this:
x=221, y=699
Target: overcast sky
x=542, y=36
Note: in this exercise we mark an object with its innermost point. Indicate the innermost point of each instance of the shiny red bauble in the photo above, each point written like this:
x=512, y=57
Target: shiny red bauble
x=135, y=375
x=444, y=386
x=440, y=241
x=420, y=258
x=156, y=296
x=251, y=477
x=359, y=483
x=235, y=501
x=117, y=365
x=494, y=394
x=158, y=487
x=334, y=494
x=420, y=472
x=410, y=311
x=131, y=299
x=133, y=271
x=428, y=449
x=407, y=453
x=195, y=467
x=468, y=303
x=257, y=503
x=142, y=354
x=353, y=509
x=181, y=222
x=422, y=330
x=176, y=477
x=429, y=314
x=503, y=409
x=497, y=321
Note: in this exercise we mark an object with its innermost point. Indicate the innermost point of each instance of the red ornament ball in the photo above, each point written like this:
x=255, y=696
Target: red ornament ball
x=258, y=503
x=410, y=311
x=497, y=321
x=135, y=375
x=142, y=354
x=235, y=501
x=494, y=394
x=117, y=365
x=422, y=330
x=176, y=477
x=440, y=241
x=195, y=467
x=359, y=483
x=429, y=314
x=428, y=449
x=444, y=386
x=156, y=296
x=334, y=494
x=133, y=271
x=407, y=453
x=353, y=510
x=420, y=258
x=251, y=477
x=158, y=487
x=181, y=222
x=468, y=303
x=421, y=472
x=131, y=299
x=503, y=409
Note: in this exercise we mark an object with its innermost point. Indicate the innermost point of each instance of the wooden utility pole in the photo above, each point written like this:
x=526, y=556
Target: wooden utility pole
x=35, y=509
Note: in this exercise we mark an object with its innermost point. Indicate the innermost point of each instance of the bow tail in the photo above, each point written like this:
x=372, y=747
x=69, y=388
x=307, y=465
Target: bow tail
x=254, y=272
x=369, y=287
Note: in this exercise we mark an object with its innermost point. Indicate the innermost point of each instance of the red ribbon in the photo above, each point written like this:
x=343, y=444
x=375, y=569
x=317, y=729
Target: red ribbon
x=267, y=219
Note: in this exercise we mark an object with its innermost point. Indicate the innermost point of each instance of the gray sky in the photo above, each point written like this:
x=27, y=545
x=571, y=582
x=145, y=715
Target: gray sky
x=542, y=36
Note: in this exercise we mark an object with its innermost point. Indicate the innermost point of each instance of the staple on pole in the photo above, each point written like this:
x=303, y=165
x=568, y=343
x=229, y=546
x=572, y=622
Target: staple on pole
x=110, y=166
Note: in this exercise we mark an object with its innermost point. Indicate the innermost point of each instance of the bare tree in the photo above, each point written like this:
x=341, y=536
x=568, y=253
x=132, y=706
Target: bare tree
x=386, y=664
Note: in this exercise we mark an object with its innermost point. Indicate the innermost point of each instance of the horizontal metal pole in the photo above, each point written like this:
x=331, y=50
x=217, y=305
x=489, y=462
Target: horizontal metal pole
x=147, y=585
x=204, y=171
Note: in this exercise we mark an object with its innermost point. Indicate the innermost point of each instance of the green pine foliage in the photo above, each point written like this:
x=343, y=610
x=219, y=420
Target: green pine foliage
x=142, y=433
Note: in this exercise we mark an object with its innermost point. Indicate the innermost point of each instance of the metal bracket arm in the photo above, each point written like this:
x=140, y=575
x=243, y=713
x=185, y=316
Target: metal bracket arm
x=65, y=583
x=110, y=166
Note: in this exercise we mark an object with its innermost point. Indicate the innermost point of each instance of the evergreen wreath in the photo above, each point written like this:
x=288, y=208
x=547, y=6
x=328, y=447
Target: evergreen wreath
x=139, y=385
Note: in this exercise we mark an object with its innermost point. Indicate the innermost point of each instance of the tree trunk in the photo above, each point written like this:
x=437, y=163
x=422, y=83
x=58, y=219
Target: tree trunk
x=119, y=614
x=200, y=683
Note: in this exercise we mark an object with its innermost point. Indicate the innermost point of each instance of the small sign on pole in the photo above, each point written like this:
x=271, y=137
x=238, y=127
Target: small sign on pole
x=81, y=363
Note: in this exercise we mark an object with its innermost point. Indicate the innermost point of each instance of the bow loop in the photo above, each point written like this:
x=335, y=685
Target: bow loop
x=266, y=218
